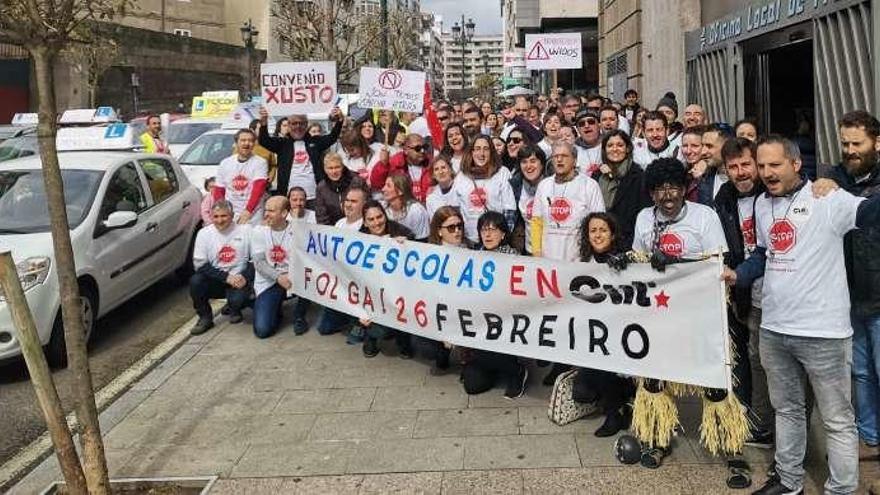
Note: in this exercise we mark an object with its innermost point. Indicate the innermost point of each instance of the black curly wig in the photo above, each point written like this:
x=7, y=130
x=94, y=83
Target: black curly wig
x=665, y=171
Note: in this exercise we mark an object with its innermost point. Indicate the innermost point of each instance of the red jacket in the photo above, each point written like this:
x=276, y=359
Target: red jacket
x=397, y=165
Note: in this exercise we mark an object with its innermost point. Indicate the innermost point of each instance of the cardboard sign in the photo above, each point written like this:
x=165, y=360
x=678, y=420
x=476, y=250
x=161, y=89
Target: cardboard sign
x=298, y=88
x=392, y=89
x=554, y=51
x=214, y=104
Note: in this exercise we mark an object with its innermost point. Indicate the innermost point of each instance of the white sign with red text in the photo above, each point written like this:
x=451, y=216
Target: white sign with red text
x=392, y=89
x=554, y=51
x=639, y=322
x=294, y=88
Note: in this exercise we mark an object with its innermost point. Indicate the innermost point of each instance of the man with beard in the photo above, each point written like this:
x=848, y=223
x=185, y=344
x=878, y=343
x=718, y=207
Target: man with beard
x=608, y=119
x=859, y=174
x=518, y=116
x=714, y=176
x=471, y=121
x=299, y=152
x=412, y=161
x=631, y=105
x=692, y=156
x=588, y=143
x=693, y=116
x=656, y=143
x=242, y=180
x=735, y=205
x=806, y=332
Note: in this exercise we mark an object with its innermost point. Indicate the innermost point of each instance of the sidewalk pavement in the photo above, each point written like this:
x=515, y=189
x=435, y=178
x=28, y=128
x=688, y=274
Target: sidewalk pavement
x=309, y=414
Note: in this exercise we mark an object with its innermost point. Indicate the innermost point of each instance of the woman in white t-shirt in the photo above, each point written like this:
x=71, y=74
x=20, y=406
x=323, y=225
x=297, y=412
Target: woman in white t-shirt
x=402, y=208
x=484, y=185
x=455, y=145
x=443, y=193
x=358, y=156
x=552, y=125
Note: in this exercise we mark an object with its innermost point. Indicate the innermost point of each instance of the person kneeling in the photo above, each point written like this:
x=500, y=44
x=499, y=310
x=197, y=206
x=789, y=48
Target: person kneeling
x=220, y=260
x=270, y=245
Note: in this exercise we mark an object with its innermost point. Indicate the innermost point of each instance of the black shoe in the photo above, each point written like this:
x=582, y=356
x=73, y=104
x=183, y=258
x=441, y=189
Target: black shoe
x=614, y=422
x=225, y=310
x=202, y=326
x=405, y=352
x=371, y=347
x=760, y=438
x=516, y=385
x=300, y=326
x=235, y=317
x=774, y=486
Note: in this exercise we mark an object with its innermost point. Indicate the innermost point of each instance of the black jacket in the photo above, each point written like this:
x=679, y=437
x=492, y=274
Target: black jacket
x=631, y=198
x=728, y=212
x=283, y=147
x=861, y=248
x=329, y=194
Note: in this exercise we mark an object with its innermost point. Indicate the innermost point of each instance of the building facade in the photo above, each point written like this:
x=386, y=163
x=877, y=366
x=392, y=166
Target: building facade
x=463, y=65
x=431, y=51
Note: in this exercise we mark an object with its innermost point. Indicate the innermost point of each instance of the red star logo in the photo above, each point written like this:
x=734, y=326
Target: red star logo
x=662, y=299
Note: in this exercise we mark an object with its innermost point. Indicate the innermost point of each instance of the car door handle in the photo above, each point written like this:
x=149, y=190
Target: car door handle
x=152, y=226
x=185, y=205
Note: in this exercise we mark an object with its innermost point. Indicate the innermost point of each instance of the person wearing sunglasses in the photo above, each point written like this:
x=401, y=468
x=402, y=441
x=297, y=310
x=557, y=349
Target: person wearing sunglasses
x=299, y=153
x=413, y=161
x=588, y=142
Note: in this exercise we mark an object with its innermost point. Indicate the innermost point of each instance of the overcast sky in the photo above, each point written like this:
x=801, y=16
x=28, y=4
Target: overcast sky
x=486, y=13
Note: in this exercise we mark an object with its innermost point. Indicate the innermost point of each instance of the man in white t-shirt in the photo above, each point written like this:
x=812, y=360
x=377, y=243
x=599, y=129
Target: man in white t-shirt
x=220, y=259
x=242, y=179
x=271, y=251
x=561, y=204
x=806, y=334
x=656, y=143
x=588, y=142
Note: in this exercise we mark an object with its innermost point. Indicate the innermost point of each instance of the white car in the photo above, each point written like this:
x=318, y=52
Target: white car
x=203, y=156
x=133, y=219
x=182, y=132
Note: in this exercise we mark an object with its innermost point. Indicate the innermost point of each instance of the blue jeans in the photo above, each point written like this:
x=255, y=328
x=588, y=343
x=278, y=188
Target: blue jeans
x=866, y=370
x=788, y=362
x=267, y=311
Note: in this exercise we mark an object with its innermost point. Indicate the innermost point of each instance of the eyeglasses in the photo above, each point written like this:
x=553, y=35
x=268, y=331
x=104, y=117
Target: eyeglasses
x=417, y=148
x=587, y=122
x=668, y=190
x=514, y=140
x=455, y=227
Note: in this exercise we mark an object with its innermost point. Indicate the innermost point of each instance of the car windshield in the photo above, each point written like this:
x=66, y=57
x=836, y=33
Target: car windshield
x=18, y=147
x=23, y=207
x=208, y=149
x=188, y=132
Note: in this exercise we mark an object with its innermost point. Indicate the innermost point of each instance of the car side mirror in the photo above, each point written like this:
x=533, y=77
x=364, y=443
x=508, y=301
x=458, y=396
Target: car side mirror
x=120, y=220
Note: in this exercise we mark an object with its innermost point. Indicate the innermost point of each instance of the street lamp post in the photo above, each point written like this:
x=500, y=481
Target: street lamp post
x=463, y=34
x=486, y=71
x=249, y=37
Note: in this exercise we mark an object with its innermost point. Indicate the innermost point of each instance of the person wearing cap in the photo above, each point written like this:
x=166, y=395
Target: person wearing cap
x=668, y=106
x=588, y=142
x=151, y=139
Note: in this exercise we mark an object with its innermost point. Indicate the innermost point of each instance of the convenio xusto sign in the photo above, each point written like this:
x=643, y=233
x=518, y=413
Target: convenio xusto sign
x=755, y=17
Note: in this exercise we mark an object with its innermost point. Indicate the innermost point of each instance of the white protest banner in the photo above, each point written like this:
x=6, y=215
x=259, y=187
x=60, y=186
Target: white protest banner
x=669, y=326
x=554, y=51
x=391, y=89
x=290, y=88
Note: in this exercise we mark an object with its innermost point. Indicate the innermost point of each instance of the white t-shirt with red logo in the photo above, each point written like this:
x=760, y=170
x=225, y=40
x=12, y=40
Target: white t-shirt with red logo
x=477, y=196
x=302, y=172
x=237, y=178
x=437, y=198
x=695, y=234
x=276, y=247
x=228, y=250
x=746, y=208
x=563, y=206
x=805, y=289
x=643, y=155
x=589, y=160
x=362, y=166
x=526, y=210
x=414, y=217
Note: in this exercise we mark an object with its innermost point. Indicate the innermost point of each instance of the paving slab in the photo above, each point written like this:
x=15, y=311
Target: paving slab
x=521, y=451
x=500, y=482
x=419, y=398
x=415, y=483
x=301, y=459
x=363, y=425
x=325, y=401
x=466, y=422
x=408, y=455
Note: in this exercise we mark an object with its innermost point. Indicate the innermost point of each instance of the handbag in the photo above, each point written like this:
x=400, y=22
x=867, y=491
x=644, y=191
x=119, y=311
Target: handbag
x=563, y=409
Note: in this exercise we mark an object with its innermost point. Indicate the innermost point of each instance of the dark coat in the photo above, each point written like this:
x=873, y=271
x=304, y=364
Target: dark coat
x=284, y=147
x=728, y=212
x=861, y=248
x=329, y=195
x=630, y=199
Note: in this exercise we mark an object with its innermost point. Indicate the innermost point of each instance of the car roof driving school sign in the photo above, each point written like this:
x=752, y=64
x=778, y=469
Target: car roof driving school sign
x=554, y=51
x=392, y=89
x=298, y=88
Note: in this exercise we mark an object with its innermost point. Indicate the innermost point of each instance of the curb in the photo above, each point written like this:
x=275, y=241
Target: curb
x=38, y=450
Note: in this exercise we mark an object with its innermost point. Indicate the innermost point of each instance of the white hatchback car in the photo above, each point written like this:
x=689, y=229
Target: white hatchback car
x=202, y=158
x=133, y=219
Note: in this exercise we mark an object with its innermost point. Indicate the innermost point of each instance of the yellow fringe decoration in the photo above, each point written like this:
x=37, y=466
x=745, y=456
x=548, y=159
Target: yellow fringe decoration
x=683, y=389
x=655, y=417
x=725, y=426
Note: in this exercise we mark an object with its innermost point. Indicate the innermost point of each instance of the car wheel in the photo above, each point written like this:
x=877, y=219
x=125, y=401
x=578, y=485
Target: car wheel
x=56, y=351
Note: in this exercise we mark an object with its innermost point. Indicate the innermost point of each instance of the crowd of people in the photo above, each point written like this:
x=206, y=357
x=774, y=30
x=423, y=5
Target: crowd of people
x=583, y=179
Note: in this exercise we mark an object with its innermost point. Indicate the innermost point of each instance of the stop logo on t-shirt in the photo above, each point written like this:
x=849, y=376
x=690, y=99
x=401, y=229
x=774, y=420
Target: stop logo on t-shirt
x=560, y=209
x=530, y=206
x=671, y=244
x=239, y=182
x=748, y=232
x=226, y=255
x=277, y=254
x=783, y=236
x=301, y=156
x=478, y=197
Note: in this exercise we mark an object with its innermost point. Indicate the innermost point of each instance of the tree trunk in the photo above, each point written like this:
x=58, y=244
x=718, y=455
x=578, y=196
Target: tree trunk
x=41, y=377
x=93, y=458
